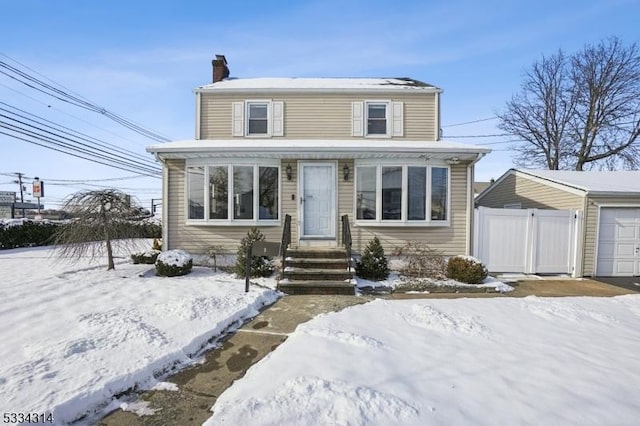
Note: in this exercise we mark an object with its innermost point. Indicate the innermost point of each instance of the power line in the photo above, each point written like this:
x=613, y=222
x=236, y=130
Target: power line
x=477, y=136
x=70, y=143
x=67, y=113
x=74, y=99
x=471, y=122
x=71, y=132
x=111, y=164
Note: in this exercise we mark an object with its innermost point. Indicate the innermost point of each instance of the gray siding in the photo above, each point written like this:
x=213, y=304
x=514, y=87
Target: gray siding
x=531, y=194
x=319, y=116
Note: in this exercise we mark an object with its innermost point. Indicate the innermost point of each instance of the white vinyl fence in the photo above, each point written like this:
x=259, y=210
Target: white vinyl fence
x=528, y=241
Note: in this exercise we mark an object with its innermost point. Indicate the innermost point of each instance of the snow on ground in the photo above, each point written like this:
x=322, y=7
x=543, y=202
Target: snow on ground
x=75, y=335
x=506, y=361
x=394, y=281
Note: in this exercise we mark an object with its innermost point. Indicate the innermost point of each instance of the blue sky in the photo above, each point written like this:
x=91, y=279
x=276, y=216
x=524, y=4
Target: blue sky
x=141, y=59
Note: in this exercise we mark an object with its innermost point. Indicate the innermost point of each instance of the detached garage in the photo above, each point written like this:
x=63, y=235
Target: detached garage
x=608, y=200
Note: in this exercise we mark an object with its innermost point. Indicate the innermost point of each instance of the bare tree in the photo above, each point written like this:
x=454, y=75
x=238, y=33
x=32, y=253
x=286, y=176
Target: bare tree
x=98, y=216
x=579, y=112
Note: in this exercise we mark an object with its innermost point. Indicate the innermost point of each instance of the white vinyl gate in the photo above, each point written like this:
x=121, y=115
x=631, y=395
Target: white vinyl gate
x=528, y=241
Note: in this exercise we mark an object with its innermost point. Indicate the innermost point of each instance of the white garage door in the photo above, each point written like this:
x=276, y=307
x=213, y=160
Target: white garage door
x=619, y=242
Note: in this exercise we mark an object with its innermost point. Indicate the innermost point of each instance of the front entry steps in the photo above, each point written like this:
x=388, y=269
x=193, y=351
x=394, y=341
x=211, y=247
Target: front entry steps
x=316, y=271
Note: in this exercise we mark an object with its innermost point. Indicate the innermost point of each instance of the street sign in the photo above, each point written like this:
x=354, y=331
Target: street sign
x=38, y=188
x=7, y=197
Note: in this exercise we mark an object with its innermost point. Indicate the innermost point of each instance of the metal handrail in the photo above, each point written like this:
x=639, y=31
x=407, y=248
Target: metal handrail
x=346, y=239
x=286, y=241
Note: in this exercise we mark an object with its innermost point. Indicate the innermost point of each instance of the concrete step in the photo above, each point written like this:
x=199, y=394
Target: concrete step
x=306, y=253
x=298, y=287
x=316, y=263
x=309, y=274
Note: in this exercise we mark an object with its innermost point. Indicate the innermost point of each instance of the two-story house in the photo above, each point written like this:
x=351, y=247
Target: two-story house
x=317, y=149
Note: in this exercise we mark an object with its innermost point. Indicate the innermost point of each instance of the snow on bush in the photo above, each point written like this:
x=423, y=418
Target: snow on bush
x=147, y=257
x=172, y=263
x=466, y=269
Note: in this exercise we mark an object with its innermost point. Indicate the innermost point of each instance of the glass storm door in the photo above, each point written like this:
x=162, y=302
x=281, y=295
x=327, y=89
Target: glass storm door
x=318, y=200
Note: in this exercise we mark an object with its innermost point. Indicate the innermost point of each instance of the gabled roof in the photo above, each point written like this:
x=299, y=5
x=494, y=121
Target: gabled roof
x=317, y=148
x=591, y=182
x=320, y=84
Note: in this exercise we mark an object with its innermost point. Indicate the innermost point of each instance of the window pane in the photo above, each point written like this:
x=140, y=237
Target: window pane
x=257, y=127
x=268, y=196
x=391, y=193
x=417, y=193
x=243, y=192
x=258, y=119
x=258, y=111
x=376, y=127
x=218, y=192
x=439, y=184
x=377, y=111
x=376, y=119
x=366, y=193
x=195, y=185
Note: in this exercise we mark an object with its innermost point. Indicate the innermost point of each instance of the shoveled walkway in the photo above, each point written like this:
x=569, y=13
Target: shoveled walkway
x=200, y=386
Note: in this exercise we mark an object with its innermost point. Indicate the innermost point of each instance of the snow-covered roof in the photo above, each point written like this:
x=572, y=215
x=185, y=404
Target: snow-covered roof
x=323, y=84
x=592, y=181
x=311, y=148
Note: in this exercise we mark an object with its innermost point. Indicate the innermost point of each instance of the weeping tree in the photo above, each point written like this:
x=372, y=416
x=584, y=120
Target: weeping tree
x=580, y=111
x=100, y=216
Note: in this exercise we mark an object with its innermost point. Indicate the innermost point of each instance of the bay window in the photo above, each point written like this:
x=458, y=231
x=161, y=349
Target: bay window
x=236, y=193
x=402, y=193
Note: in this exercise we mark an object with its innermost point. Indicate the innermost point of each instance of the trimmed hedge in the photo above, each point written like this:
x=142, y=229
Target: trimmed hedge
x=466, y=269
x=178, y=262
x=148, y=257
x=37, y=233
x=27, y=234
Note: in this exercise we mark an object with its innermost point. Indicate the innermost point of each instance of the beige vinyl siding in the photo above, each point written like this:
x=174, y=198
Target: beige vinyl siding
x=591, y=226
x=451, y=240
x=319, y=116
x=530, y=194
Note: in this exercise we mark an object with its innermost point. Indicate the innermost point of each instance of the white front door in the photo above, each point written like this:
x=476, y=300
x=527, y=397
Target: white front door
x=619, y=242
x=317, y=195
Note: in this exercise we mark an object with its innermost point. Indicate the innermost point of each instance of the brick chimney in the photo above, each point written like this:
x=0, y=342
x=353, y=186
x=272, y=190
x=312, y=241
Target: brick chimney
x=220, y=68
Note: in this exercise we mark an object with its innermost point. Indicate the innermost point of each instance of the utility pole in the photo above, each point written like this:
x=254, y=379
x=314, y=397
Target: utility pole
x=19, y=182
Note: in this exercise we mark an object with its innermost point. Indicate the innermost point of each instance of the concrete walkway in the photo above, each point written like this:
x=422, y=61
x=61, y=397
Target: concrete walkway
x=200, y=386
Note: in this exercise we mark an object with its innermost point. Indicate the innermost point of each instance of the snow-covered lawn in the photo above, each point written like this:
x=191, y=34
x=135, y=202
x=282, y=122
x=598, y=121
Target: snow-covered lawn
x=75, y=335
x=506, y=361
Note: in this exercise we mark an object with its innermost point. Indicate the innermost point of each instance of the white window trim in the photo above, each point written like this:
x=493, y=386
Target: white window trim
x=247, y=103
x=387, y=104
x=230, y=221
x=403, y=222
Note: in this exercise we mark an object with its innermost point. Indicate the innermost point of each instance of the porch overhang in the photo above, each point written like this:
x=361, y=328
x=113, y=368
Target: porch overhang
x=317, y=149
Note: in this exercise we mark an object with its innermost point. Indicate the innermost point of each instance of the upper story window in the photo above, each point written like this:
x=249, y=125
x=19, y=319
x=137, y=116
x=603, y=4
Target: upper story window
x=377, y=119
x=402, y=193
x=258, y=118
